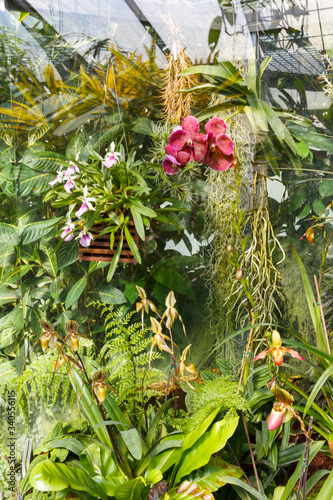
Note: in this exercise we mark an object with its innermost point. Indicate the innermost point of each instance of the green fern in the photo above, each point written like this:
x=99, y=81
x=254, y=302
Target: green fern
x=126, y=356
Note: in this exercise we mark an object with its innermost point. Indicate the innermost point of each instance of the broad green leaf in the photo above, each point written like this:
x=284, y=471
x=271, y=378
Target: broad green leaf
x=131, y=490
x=75, y=292
x=211, y=442
x=214, y=32
x=133, y=442
x=317, y=387
x=50, y=264
x=194, y=435
x=68, y=253
x=8, y=234
x=172, y=280
x=210, y=475
x=10, y=296
x=37, y=230
x=50, y=476
x=326, y=187
x=45, y=160
x=110, y=295
x=32, y=182
x=163, y=461
x=70, y=443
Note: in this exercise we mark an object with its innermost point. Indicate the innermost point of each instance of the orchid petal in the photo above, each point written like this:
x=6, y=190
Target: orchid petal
x=191, y=126
x=216, y=126
x=169, y=167
x=200, y=145
x=294, y=354
x=275, y=417
x=225, y=144
x=178, y=139
x=81, y=210
x=220, y=162
x=85, y=240
x=261, y=355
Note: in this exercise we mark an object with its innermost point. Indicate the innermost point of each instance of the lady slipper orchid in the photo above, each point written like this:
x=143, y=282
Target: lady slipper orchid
x=85, y=238
x=278, y=350
x=184, y=366
x=158, y=339
x=86, y=205
x=111, y=158
x=283, y=411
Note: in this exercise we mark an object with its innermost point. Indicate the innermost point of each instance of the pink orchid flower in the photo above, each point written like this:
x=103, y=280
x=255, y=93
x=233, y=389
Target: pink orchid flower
x=219, y=155
x=276, y=416
x=111, y=158
x=69, y=185
x=86, y=205
x=66, y=230
x=85, y=238
x=170, y=165
x=59, y=178
x=188, y=141
x=278, y=351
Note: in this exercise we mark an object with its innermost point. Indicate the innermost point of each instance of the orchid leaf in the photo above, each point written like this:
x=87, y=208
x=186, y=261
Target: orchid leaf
x=114, y=263
x=75, y=292
x=317, y=387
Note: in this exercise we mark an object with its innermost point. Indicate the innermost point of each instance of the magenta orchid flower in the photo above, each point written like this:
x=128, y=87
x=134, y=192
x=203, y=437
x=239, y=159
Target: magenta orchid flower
x=71, y=170
x=69, y=185
x=170, y=165
x=86, y=205
x=85, y=238
x=278, y=350
x=66, y=230
x=59, y=178
x=111, y=158
x=219, y=155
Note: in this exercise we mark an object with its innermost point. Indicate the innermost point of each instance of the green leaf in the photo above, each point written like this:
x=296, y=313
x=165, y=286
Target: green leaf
x=194, y=435
x=50, y=265
x=132, y=245
x=314, y=449
x=302, y=149
x=317, y=387
x=110, y=295
x=68, y=253
x=171, y=279
x=131, y=490
x=45, y=160
x=137, y=218
x=133, y=442
x=75, y=292
x=37, y=230
x=211, y=442
x=69, y=443
x=327, y=488
x=242, y=484
x=114, y=263
x=210, y=475
x=8, y=234
x=155, y=422
x=326, y=188
x=214, y=32
x=50, y=476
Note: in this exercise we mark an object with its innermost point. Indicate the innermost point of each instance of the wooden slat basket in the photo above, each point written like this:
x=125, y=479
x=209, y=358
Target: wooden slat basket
x=99, y=249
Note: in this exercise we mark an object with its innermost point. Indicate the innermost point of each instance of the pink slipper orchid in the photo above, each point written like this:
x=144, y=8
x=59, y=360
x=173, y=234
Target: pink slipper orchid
x=278, y=351
x=111, y=158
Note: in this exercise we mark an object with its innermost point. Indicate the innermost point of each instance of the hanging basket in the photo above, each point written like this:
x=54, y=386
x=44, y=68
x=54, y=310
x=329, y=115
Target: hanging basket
x=99, y=249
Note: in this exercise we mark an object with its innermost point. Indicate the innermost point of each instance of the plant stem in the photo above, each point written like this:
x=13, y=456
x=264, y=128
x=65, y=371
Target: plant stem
x=238, y=464
x=322, y=314
x=304, y=471
x=251, y=453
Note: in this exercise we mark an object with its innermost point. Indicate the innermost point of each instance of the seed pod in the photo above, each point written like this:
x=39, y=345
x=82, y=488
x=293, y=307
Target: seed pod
x=229, y=248
x=239, y=274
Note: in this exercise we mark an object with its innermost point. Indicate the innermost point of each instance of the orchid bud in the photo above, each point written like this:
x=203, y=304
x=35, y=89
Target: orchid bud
x=239, y=274
x=276, y=416
x=229, y=248
x=276, y=338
